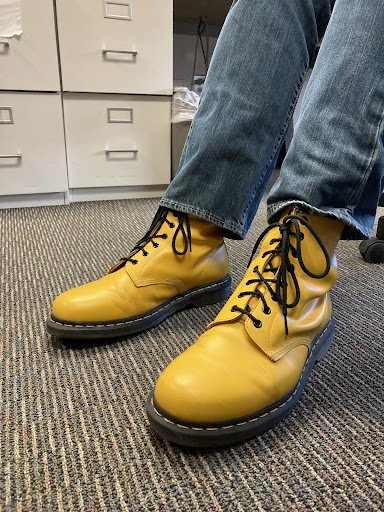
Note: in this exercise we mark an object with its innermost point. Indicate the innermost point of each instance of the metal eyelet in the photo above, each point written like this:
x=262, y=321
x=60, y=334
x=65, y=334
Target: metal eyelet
x=171, y=225
x=240, y=296
x=267, y=311
x=256, y=269
x=145, y=253
x=155, y=244
x=164, y=236
x=134, y=262
x=258, y=324
x=301, y=236
x=232, y=309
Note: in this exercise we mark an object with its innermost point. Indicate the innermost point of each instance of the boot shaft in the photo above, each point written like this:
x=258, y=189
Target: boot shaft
x=187, y=252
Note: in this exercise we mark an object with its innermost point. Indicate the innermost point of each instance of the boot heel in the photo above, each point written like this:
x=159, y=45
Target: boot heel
x=326, y=342
x=218, y=292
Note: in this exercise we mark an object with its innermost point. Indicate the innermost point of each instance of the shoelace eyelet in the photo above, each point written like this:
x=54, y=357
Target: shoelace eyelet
x=145, y=253
x=164, y=236
x=258, y=324
x=240, y=296
x=256, y=269
x=232, y=309
x=301, y=236
x=155, y=244
x=171, y=225
x=134, y=262
x=267, y=311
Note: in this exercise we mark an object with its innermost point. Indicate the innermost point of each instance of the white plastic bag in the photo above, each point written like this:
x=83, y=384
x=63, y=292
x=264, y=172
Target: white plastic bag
x=184, y=104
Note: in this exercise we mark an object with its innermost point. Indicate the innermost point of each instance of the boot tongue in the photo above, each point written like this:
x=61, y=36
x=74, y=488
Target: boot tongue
x=272, y=261
x=160, y=218
x=268, y=267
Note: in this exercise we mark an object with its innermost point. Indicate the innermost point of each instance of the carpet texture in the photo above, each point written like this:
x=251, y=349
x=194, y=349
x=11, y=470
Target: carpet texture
x=74, y=435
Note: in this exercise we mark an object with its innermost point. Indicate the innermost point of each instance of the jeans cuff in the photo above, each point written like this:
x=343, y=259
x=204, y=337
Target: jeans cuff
x=353, y=230
x=229, y=229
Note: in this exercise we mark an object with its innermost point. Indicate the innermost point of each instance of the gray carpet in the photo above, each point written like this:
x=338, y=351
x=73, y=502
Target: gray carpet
x=74, y=435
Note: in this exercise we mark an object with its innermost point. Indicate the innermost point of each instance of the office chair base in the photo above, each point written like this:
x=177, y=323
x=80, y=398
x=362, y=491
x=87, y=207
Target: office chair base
x=373, y=250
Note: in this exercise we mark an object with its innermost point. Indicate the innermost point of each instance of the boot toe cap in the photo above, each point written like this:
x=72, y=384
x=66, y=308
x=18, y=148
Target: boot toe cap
x=203, y=386
x=78, y=305
x=97, y=301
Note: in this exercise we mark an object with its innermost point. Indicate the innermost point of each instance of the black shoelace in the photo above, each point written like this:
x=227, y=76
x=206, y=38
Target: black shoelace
x=153, y=233
x=283, y=250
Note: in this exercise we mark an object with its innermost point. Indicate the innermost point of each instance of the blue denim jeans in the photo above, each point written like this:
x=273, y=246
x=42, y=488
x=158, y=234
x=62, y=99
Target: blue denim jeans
x=334, y=165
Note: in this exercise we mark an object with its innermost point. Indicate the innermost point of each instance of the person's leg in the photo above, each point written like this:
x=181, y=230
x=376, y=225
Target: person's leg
x=335, y=163
x=253, y=83
x=248, y=370
x=255, y=76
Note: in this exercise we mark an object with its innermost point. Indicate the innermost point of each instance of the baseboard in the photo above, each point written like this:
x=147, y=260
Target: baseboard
x=29, y=200
x=80, y=195
x=108, y=193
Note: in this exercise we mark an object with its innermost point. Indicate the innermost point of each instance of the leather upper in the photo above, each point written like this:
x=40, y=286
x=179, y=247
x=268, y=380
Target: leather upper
x=235, y=368
x=157, y=276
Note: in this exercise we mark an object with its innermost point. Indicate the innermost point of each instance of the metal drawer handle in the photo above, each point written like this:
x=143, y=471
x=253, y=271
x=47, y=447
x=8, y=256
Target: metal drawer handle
x=108, y=151
x=11, y=156
x=5, y=43
x=119, y=51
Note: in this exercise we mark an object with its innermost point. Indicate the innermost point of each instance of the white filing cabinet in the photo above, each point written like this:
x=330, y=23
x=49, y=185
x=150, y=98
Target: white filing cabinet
x=120, y=47
x=106, y=132
x=32, y=149
x=32, y=146
x=117, y=140
x=29, y=62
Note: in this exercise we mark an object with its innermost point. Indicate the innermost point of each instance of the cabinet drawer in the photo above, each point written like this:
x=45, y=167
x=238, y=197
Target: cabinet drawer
x=117, y=140
x=121, y=47
x=32, y=150
x=29, y=62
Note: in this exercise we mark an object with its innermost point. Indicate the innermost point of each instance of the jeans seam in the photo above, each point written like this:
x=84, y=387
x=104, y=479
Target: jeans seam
x=281, y=136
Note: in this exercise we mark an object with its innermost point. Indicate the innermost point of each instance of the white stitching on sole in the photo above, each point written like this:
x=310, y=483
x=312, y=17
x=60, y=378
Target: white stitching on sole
x=144, y=317
x=253, y=419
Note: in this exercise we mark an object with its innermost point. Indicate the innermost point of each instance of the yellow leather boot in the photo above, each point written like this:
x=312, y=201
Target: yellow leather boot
x=181, y=261
x=248, y=370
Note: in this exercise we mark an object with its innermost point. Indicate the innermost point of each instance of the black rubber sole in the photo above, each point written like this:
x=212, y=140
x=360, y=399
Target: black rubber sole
x=239, y=429
x=199, y=296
